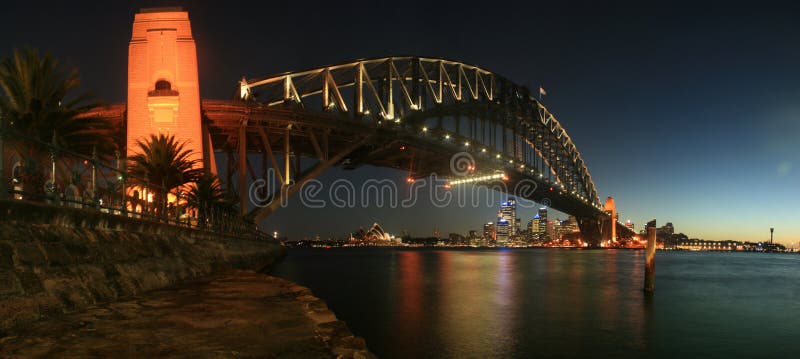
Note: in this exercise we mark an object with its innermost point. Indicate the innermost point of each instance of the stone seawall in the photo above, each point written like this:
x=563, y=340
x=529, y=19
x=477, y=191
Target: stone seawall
x=55, y=260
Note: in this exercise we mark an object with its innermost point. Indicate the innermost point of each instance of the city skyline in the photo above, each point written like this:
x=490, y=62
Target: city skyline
x=718, y=139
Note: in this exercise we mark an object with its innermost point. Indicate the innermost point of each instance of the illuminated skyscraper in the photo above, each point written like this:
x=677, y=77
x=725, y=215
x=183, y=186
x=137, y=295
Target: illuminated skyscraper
x=508, y=212
x=542, y=231
x=503, y=230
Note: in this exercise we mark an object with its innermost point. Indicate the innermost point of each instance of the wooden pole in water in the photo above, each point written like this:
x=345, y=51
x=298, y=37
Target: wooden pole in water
x=650, y=260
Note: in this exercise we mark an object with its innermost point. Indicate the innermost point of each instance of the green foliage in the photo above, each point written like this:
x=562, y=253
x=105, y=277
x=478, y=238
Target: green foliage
x=162, y=164
x=38, y=101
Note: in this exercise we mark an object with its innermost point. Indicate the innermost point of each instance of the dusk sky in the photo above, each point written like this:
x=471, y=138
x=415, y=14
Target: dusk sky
x=685, y=113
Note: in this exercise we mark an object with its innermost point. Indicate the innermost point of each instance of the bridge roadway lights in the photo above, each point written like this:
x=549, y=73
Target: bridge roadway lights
x=650, y=261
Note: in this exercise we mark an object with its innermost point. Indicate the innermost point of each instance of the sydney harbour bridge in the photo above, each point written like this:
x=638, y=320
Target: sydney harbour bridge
x=407, y=112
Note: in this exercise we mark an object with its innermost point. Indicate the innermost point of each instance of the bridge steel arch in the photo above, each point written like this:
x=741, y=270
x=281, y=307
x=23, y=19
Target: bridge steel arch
x=433, y=105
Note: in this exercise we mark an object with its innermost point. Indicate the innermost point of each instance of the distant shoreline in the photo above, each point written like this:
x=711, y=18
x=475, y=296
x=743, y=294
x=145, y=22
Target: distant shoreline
x=447, y=247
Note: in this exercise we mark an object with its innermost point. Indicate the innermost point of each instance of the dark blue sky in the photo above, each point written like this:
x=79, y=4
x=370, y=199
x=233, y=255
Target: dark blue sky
x=684, y=112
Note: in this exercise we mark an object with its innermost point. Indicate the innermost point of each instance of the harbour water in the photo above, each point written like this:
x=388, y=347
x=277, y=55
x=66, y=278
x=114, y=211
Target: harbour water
x=504, y=303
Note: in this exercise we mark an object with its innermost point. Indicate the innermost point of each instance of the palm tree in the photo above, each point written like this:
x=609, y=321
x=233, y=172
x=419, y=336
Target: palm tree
x=38, y=107
x=162, y=165
x=205, y=196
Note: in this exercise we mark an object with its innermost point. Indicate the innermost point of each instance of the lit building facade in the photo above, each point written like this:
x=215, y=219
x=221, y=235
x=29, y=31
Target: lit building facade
x=542, y=231
x=490, y=232
x=503, y=231
x=533, y=228
x=507, y=224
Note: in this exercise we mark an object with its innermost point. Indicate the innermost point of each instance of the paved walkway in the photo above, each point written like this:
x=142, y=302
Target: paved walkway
x=240, y=314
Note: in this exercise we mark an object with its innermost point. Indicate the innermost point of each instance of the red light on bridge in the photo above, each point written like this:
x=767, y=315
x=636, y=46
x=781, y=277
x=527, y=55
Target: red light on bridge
x=446, y=186
x=402, y=148
x=551, y=189
x=410, y=179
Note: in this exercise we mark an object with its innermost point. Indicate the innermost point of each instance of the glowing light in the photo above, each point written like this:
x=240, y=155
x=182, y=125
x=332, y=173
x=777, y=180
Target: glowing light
x=478, y=178
x=483, y=150
x=424, y=129
x=466, y=143
x=498, y=156
x=447, y=136
x=410, y=180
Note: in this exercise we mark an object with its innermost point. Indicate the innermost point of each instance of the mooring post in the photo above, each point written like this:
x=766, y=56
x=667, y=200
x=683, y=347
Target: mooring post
x=650, y=258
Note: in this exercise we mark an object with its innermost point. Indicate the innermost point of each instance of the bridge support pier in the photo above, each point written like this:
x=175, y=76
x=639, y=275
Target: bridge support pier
x=591, y=230
x=650, y=260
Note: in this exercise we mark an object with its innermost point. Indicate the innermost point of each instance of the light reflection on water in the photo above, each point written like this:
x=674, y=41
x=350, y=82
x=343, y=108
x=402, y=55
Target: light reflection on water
x=554, y=303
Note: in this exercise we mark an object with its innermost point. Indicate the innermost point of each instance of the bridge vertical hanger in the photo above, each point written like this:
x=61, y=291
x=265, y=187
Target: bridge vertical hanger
x=460, y=70
x=334, y=90
x=270, y=154
x=326, y=98
x=243, y=193
x=403, y=88
x=244, y=89
x=375, y=96
x=416, y=95
x=388, y=91
x=290, y=91
x=315, y=143
x=440, y=81
x=286, y=158
x=359, y=90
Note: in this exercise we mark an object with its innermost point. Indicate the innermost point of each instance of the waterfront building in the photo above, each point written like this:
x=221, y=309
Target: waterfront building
x=503, y=230
x=533, y=229
x=569, y=226
x=508, y=212
x=456, y=239
x=542, y=231
x=629, y=224
x=490, y=232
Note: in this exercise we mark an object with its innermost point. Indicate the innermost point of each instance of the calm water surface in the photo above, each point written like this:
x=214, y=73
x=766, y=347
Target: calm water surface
x=504, y=303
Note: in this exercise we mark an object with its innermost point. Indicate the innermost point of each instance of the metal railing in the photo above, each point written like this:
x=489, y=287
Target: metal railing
x=97, y=185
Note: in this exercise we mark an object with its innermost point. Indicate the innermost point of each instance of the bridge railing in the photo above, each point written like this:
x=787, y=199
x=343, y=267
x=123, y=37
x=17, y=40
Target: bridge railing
x=102, y=184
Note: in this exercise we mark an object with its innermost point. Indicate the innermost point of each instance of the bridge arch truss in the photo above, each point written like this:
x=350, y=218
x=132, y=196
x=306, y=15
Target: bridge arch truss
x=471, y=108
